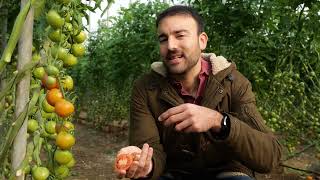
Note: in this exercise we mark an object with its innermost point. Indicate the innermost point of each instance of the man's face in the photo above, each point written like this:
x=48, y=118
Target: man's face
x=180, y=43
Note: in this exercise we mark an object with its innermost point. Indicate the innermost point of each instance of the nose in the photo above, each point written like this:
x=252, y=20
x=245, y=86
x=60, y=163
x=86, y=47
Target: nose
x=172, y=43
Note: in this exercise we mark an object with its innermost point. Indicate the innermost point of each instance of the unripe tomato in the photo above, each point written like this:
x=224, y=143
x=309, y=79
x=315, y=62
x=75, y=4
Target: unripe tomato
x=70, y=60
x=39, y=72
x=64, y=1
x=62, y=172
x=40, y=173
x=50, y=127
x=55, y=35
x=80, y=38
x=54, y=19
x=59, y=52
x=32, y=125
x=71, y=163
x=47, y=107
x=62, y=156
x=49, y=82
x=68, y=83
x=36, y=57
x=52, y=70
x=78, y=50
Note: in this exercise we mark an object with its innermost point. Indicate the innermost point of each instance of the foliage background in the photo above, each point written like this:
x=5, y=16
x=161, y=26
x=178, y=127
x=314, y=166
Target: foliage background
x=275, y=44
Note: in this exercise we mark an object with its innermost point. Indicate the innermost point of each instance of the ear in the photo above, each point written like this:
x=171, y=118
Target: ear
x=203, y=39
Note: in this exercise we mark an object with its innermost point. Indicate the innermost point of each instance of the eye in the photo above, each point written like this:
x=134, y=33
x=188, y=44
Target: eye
x=163, y=39
x=180, y=35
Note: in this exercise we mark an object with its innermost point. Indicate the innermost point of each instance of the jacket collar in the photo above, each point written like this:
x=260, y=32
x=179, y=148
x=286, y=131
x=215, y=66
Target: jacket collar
x=221, y=68
x=218, y=64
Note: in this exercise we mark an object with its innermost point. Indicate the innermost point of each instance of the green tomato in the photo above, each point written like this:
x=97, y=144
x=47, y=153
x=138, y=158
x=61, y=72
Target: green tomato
x=50, y=127
x=32, y=125
x=52, y=70
x=62, y=172
x=40, y=173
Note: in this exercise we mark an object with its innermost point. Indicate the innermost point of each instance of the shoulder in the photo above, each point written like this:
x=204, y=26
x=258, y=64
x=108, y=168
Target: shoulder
x=241, y=86
x=147, y=81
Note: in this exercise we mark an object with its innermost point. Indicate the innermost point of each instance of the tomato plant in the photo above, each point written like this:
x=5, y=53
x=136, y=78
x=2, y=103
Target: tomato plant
x=57, y=42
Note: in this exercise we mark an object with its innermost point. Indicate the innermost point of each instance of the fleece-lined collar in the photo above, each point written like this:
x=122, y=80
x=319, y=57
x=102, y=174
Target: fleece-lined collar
x=218, y=64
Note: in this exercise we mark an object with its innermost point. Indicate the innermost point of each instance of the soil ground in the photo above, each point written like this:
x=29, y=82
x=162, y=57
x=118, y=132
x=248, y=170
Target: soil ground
x=95, y=151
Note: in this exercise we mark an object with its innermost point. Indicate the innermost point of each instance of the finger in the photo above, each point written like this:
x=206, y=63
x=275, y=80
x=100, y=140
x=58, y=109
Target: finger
x=144, y=171
x=129, y=150
x=147, y=169
x=189, y=129
x=120, y=173
x=171, y=111
x=183, y=125
x=176, y=118
x=132, y=170
x=142, y=160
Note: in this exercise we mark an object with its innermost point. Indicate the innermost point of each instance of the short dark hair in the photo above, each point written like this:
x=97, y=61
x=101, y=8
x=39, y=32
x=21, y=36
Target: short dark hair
x=184, y=10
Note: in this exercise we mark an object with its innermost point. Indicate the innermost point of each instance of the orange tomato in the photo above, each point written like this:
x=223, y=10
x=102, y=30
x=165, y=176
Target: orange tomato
x=65, y=140
x=309, y=178
x=64, y=108
x=124, y=161
x=53, y=96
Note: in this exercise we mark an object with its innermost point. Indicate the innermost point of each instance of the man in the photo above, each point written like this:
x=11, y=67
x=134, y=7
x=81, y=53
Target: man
x=194, y=115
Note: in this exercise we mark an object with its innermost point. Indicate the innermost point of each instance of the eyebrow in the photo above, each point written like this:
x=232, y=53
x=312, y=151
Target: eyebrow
x=175, y=32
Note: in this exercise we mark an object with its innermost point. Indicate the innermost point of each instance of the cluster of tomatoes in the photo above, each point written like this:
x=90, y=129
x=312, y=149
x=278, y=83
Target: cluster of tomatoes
x=51, y=123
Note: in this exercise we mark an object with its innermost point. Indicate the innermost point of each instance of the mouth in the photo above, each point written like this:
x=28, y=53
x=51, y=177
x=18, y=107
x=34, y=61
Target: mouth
x=174, y=59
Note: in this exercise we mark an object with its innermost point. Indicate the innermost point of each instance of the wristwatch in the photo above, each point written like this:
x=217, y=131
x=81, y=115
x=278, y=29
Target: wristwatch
x=225, y=127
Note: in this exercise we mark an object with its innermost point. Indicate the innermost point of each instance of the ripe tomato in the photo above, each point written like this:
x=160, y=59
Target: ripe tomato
x=47, y=107
x=53, y=96
x=62, y=172
x=78, y=50
x=40, y=173
x=309, y=178
x=70, y=60
x=54, y=19
x=64, y=108
x=62, y=156
x=124, y=161
x=39, y=72
x=50, y=127
x=80, y=38
x=32, y=125
x=65, y=140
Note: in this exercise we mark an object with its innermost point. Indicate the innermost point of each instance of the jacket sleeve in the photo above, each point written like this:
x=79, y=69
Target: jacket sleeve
x=143, y=128
x=250, y=139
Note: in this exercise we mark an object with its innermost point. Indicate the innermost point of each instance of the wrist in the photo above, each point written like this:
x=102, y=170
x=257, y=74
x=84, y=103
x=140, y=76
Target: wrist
x=217, y=122
x=225, y=125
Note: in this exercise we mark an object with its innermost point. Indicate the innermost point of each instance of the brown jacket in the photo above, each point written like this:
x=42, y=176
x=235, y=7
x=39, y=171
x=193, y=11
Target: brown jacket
x=249, y=147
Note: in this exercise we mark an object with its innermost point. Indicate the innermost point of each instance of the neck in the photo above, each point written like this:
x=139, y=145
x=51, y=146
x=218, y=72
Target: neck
x=190, y=80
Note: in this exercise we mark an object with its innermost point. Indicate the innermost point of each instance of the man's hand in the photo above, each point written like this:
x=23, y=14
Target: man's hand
x=192, y=118
x=142, y=163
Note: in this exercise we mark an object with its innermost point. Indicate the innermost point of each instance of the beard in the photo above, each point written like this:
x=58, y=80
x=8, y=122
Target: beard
x=184, y=62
